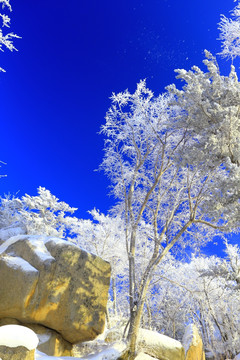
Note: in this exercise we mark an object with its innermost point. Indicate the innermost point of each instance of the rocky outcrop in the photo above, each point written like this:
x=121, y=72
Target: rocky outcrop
x=193, y=344
x=50, y=282
x=160, y=346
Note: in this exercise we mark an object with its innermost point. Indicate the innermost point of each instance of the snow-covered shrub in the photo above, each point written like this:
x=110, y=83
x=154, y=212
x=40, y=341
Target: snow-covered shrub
x=41, y=214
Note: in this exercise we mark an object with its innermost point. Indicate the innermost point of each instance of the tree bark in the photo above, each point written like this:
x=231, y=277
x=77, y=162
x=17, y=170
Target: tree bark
x=135, y=320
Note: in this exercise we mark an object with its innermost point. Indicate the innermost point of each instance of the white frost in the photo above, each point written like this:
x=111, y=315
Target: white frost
x=18, y=335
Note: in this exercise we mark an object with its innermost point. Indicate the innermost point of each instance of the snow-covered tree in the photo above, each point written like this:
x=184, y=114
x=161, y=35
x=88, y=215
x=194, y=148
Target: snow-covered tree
x=230, y=34
x=9, y=207
x=6, y=38
x=198, y=291
x=45, y=214
x=162, y=175
x=215, y=306
x=41, y=214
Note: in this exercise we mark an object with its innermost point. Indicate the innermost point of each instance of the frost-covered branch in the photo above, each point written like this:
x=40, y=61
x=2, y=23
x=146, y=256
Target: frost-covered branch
x=230, y=34
x=6, y=38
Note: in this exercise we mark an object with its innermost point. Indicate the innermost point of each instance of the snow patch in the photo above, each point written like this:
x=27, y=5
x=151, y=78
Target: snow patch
x=18, y=263
x=10, y=241
x=58, y=241
x=18, y=335
x=39, y=248
x=153, y=338
x=37, y=243
x=9, y=232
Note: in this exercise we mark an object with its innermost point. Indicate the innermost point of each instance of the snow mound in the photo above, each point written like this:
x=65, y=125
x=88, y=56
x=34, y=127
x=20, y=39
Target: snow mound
x=153, y=337
x=160, y=346
x=18, y=335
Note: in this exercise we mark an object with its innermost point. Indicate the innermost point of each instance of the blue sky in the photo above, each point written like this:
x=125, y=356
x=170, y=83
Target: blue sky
x=73, y=54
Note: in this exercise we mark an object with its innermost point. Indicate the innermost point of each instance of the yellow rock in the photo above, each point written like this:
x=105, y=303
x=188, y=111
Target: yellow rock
x=193, y=344
x=160, y=346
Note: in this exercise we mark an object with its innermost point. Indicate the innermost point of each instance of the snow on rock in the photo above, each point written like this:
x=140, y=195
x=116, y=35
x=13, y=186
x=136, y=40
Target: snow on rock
x=8, y=232
x=17, y=335
x=237, y=357
x=193, y=344
x=160, y=346
x=19, y=264
x=13, y=239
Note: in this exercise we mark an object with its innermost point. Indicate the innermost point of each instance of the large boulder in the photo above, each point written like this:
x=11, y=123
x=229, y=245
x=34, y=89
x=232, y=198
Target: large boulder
x=193, y=344
x=160, y=346
x=51, y=282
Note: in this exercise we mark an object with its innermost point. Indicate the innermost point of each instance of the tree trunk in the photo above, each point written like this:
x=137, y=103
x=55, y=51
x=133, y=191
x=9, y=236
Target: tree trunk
x=108, y=319
x=114, y=296
x=135, y=320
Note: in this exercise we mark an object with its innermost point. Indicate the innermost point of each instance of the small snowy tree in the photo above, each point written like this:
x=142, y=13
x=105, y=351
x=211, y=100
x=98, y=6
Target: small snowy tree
x=45, y=214
x=9, y=211
x=41, y=214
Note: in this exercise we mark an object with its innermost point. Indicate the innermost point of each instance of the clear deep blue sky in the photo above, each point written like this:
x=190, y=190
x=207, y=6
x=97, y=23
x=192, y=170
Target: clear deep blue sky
x=73, y=54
